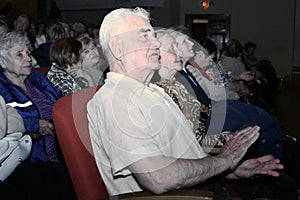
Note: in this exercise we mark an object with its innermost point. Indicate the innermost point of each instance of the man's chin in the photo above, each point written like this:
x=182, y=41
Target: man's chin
x=155, y=66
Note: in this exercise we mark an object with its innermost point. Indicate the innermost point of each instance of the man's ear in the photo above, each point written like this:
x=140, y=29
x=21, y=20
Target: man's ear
x=3, y=63
x=115, y=47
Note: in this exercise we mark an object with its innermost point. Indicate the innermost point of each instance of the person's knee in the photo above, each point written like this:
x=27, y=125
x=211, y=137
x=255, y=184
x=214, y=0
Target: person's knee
x=286, y=187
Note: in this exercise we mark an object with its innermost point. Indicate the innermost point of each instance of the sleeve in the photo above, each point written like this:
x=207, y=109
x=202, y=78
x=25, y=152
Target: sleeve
x=62, y=81
x=11, y=121
x=14, y=121
x=28, y=112
x=3, y=116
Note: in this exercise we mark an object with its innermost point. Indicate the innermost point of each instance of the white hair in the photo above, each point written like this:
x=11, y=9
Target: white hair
x=196, y=47
x=11, y=39
x=167, y=41
x=107, y=27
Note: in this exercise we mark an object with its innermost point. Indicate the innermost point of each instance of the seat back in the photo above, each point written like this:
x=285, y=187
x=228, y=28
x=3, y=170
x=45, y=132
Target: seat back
x=71, y=124
x=45, y=70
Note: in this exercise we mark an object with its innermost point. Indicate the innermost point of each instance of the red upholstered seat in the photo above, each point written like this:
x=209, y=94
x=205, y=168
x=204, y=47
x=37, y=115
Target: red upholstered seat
x=42, y=69
x=71, y=124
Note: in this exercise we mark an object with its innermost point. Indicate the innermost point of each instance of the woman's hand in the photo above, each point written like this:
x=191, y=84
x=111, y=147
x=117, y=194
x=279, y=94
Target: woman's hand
x=46, y=128
x=263, y=165
x=246, y=76
x=73, y=72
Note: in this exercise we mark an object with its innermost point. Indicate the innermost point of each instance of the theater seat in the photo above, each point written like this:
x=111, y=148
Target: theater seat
x=70, y=120
x=71, y=125
x=45, y=70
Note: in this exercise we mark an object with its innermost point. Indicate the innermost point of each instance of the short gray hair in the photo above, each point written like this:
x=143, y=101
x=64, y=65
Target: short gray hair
x=107, y=28
x=197, y=47
x=11, y=39
x=165, y=44
x=55, y=32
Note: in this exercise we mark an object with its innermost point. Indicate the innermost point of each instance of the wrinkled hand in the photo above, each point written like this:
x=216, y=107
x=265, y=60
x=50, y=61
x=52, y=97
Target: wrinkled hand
x=46, y=128
x=246, y=76
x=263, y=165
x=236, y=147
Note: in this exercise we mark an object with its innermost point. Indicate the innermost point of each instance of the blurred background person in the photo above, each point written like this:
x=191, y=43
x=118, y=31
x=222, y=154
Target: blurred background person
x=3, y=27
x=231, y=59
x=54, y=32
x=249, y=58
x=22, y=24
x=92, y=64
x=55, y=13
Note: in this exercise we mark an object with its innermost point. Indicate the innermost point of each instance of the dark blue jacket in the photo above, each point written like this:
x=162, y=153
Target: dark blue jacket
x=238, y=115
x=12, y=93
x=233, y=115
x=41, y=54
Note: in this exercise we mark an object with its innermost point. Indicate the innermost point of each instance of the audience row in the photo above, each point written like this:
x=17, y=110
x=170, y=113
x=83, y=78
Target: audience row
x=211, y=119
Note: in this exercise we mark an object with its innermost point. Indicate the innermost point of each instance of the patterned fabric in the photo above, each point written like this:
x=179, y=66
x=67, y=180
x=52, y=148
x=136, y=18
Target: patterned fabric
x=52, y=149
x=188, y=104
x=62, y=80
x=215, y=89
x=44, y=105
x=192, y=109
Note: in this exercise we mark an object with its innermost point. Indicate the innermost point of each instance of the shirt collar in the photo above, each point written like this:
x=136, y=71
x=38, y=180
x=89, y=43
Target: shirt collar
x=129, y=82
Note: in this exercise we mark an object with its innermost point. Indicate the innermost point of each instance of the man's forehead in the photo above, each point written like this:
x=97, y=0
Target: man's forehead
x=134, y=23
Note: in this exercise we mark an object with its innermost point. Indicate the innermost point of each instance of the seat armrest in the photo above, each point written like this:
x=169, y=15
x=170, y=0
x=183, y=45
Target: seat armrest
x=183, y=194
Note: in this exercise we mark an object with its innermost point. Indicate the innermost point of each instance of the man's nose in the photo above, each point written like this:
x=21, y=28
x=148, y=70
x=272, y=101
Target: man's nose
x=155, y=42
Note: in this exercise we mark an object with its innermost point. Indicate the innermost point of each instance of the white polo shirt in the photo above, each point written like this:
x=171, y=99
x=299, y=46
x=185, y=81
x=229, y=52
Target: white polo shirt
x=129, y=121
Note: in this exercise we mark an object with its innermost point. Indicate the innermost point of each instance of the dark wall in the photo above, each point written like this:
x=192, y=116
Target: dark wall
x=273, y=25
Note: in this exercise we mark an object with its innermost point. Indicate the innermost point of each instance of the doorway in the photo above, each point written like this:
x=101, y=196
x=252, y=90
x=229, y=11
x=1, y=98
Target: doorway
x=216, y=26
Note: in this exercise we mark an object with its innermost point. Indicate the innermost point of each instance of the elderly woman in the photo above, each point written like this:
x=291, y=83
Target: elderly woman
x=231, y=58
x=171, y=62
x=92, y=65
x=233, y=115
x=31, y=93
x=65, y=72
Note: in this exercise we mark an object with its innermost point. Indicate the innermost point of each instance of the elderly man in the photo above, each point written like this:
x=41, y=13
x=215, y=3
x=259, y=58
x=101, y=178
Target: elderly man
x=140, y=138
